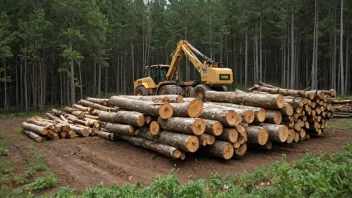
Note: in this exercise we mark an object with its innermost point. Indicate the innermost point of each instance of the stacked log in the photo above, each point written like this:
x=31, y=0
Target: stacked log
x=342, y=108
x=307, y=111
x=224, y=126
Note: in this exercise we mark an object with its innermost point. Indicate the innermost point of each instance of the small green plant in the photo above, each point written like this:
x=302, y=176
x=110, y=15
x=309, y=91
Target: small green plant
x=17, y=180
x=17, y=129
x=41, y=183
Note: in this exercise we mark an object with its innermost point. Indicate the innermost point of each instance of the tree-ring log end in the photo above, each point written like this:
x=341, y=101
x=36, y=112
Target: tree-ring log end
x=195, y=108
x=218, y=128
x=166, y=111
x=280, y=101
x=263, y=136
x=231, y=117
x=192, y=144
x=154, y=127
x=198, y=127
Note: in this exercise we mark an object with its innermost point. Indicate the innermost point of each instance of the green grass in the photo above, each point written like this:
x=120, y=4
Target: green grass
x=327, y=175
x=343, y=123
x=42, y=183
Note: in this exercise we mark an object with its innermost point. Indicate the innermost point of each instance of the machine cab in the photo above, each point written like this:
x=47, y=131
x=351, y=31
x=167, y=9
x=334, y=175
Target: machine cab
x=158, y=73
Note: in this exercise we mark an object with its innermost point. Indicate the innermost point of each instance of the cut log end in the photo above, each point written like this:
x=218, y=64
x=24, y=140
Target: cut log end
x=231, y=118
x=195, y=108
x=198, y=127
x=166, y=111
x=249, y=116
x=263, y=136
x=261, y=114
x=283, y=133
x=291, y=136
x=217, y=128
x=192, y=144
x=289, y=110
x=241, y=150
x=280, y=101
x=154, y=127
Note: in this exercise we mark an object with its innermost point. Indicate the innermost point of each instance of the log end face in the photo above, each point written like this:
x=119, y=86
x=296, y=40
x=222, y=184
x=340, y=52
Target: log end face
x=177, y=154
x=198, y=127
x=241, y=150
x=289, y=110
x=278, y=117
x=280, y=101
x=233, y=135
x=261, y=115
x=249, y=116
x=263, y=136
x=195, y=108
x=231, y=118
x=179, y=99
x=228, y=151
x=283, y=133
x=154, y=127
x=218, y=128
x=166, y=111
x=192, y=144
x=140, y=120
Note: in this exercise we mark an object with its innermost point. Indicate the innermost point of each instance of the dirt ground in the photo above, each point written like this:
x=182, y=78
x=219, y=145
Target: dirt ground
x=85, y=162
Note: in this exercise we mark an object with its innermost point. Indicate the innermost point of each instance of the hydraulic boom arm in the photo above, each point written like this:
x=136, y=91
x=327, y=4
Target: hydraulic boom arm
x=184, y=48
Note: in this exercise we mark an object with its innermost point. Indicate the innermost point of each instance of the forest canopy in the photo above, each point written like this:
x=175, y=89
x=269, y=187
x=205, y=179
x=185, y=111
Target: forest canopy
x=57, y=51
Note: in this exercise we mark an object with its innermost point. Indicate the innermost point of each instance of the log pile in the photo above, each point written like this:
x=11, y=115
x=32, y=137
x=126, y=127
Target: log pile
x=342, y=108
x=79, y=120
x=223, y=126
x=305, y=112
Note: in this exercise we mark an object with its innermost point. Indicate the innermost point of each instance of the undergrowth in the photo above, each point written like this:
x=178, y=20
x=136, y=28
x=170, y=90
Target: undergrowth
x=327, y=175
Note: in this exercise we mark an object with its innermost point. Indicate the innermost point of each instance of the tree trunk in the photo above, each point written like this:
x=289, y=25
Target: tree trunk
x=222, y=149
x=226, y=117
x=246, y=63
x=187, y=143
x=257, y=135
x=194, y=126
x=260, y=100
x=119, y=128
x=73, y=92
x=34, y=128
x=126, y=117
x=341, y=53
x=213, y=127
x=165, y=111
x=277, y=133
x=168, y=151
x=229, y=134
x=33, y=136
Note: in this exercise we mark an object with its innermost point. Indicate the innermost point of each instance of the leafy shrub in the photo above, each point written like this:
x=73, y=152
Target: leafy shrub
x=41, y=183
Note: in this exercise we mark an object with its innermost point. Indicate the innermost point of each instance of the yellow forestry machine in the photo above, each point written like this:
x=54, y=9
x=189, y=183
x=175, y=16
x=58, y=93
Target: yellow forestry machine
x=163, y=79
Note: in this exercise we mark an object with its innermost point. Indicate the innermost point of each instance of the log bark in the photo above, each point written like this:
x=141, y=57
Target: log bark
x=274, y=117
x=222, y=149
x=33, y=136
x=34, y=128
x=168, y=151
x=213, y=127
x=104, y=102
x=277, y=133
x=104, y=134
x=194, y=126
x=247, y=115
x=188, y=109
x=119, y=128
x=287, y=110
x=159, y=98
x=44, y=124
x=125, y=117
x=96, y=106
x=165, y=111
x=226, y=117
x=276, y=90
x=80, y=107
x=259, y=113
x=241, y=150
x=229, y=134
x=257, y=135
x=291, y=136
x=80, y=131
x=154, y=127
x=272, y=101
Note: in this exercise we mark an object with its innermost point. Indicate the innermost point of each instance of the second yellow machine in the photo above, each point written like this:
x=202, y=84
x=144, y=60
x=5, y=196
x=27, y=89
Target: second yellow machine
x=163, y=79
